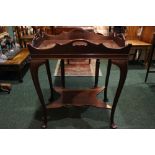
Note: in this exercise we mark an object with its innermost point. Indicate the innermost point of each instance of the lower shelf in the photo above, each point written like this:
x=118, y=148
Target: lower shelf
x=83, y=97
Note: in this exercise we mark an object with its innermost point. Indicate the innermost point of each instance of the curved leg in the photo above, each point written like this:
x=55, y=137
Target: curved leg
x=123, y=65
x=62, y=72
x=49, y=78
x=97, y=72
x=34, y=65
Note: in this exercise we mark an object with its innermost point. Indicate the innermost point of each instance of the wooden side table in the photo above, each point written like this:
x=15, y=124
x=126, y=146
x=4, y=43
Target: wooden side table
x=87, y=45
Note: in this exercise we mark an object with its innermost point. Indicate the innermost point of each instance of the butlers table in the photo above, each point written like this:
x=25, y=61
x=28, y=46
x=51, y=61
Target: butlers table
x=78, y=44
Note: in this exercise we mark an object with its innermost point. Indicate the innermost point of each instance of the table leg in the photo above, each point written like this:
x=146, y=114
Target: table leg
x=123, y=65
x=49, y=78
x=34, y=66
x=62, y=63
x=107, y=81
x=97, y=72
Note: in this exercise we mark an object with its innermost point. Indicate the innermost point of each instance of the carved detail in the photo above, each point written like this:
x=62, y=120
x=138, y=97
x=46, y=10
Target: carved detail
x=76, y=33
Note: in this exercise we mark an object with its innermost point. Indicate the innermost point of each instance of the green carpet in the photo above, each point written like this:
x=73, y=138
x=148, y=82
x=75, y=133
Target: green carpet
x=136, y=107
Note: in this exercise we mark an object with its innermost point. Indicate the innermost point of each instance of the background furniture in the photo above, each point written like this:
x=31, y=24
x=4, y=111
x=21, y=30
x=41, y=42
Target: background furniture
x=138, y=47
x=60, y=29
x=4, y=87
x=141, y=38
x=25, y=34
x=16, y=64
x=150, y=58
x=91, y=45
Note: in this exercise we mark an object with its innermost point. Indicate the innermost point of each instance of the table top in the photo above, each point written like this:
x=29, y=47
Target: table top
x=51, y=43
x=78, y=43
x=18, y=59
x=138, y=43
x=44, y=41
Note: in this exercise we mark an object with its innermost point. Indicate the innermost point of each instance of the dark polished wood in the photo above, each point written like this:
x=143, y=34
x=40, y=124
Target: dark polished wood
x=123, y=65
x=62, y=64
x=86, y=45
x=107, y=80
x=83, y=97
x=97, y=72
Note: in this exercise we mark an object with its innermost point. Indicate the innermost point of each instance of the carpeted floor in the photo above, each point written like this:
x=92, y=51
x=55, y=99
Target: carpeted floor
x=136, y=107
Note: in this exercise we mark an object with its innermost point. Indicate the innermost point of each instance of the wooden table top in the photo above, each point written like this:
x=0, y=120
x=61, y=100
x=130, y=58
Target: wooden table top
x=18, y=59
x=51, y=43
x=78, y=43
x=138, y=43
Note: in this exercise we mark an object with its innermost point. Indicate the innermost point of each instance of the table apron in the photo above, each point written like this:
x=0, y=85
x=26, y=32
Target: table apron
x=113, y=56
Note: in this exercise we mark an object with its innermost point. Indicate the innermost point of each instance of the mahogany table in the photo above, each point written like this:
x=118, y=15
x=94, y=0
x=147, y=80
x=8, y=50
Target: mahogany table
x=78, y=44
